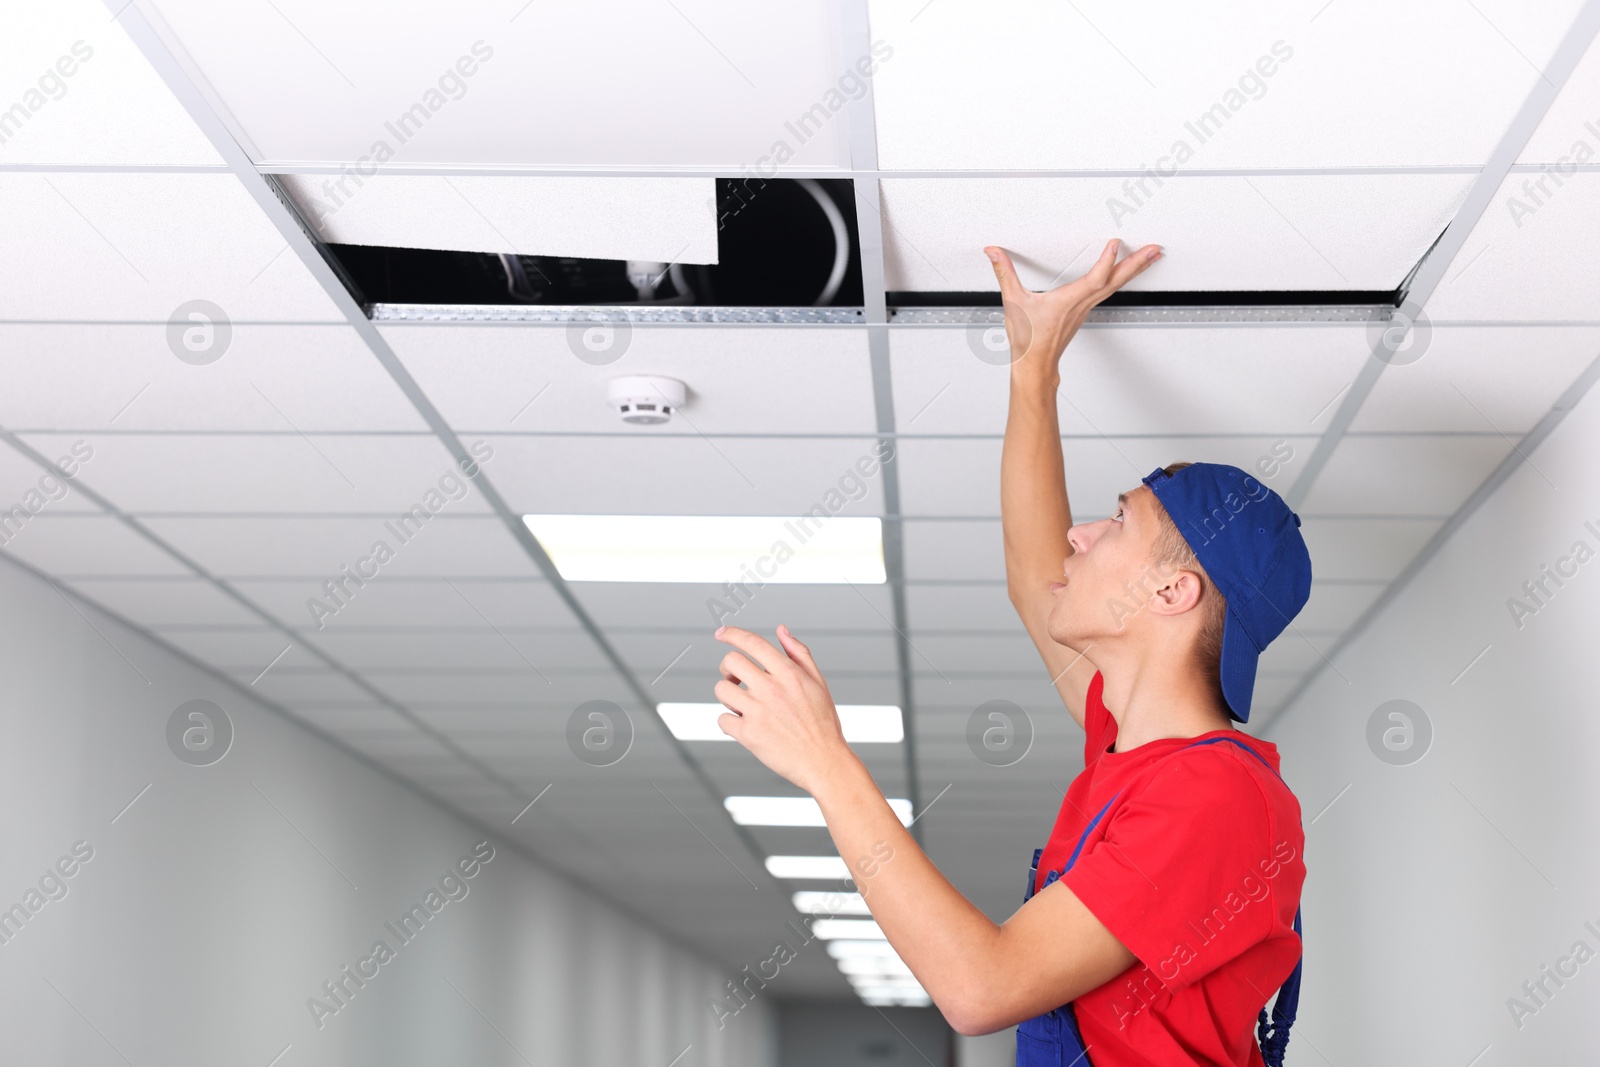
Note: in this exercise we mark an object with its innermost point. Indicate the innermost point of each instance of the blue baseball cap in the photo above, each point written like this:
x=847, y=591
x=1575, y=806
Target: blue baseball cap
x=1248, y=541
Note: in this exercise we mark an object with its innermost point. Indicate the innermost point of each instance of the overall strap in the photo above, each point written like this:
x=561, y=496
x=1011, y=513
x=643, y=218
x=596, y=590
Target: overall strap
x=1273, y=1033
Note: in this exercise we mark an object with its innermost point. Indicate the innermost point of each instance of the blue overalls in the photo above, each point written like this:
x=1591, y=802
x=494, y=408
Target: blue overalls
x=1053, y=1039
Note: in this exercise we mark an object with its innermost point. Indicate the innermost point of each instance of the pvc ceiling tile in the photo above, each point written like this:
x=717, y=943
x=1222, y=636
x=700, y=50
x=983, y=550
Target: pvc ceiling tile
x=317, y=549
x=1569, y=133
x=657, y=475
x=84, y=376
x=82, y=94
x=669, y=220
x=1504, y=270
x=762, y=380
x=1365, y=549
x=163, y=602
x=437, y=83
x=960, y=550
x=445, y=651
x=382, y=474
x=1097, y=469
x=1385, y=474
x=1479, y=378
x=147, y=248
x=1135, y=380
x=1098, y=85
x=26, y=485
x=464, y=601
x=78, y=545
x=1276, y=232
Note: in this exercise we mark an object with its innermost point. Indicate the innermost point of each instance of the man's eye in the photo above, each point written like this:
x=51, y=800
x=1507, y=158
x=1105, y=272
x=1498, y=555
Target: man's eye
x=1118, y=516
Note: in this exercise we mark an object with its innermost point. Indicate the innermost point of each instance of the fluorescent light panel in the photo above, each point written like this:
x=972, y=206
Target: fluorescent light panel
x=862, y=723
x=792, y=811
x=847, y=930
x=713, y=549
x=856, y=950
x=813, y=902
x=807, y=867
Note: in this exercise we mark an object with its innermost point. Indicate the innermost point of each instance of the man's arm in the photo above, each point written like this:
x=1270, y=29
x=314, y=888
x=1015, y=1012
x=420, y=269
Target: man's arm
x=982, y=976
x=1035, y=514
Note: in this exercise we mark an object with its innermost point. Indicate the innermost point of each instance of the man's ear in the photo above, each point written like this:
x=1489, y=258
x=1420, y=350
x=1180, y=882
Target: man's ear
x=1180, y=592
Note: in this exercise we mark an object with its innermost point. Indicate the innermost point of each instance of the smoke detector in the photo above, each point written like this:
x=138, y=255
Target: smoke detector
x=645, y=400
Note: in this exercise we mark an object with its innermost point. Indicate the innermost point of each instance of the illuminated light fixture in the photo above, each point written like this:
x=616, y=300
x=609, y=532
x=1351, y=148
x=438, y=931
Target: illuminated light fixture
x=812, y=902
x=846, y=929
x=868, y=966
x=807, y=867
x=792, y=811
x=862, y=950
x=897, y=984
x=862, y=723
x=714, y=549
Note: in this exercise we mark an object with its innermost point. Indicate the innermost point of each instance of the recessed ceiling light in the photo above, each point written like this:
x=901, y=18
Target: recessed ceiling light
x=745, y=550
x=812, y=902
x=862, y=723
x=846, y=929
x=854, y=950
x=807, y=867
x=869, y=965
x=792, y=811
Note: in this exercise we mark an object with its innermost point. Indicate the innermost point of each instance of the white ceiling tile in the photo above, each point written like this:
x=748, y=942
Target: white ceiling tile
x=1332, y=608
x=396, y=601
x=955, y=550
x=386, y=474
x=445, y=651
x=81, y=93
x=1343, y=548
x=1478, y=378
x=1008, y=653
x=737, y=76
x=955, y=476
x=1295, y=651
x=240, y=649
x=1386, y=474
x=138, y=247
x=158, y=603
x=85, y=544
x=1572, y=120
x=688, y=606
x=26, y=485
x=270, y=377
x=931, y=608
x=1531, y=257
x=1218, y=233
x=343, y=720
x=696, y=654
x=1323, y=96
x=773, y=379
x=317, y=548
x=523, y=686
x=279, y=685
x=670, y=220
x=1136, y=380
x=657, y=475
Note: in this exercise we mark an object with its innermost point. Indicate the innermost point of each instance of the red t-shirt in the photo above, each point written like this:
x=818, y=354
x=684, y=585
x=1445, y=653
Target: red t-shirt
x=1196, y=867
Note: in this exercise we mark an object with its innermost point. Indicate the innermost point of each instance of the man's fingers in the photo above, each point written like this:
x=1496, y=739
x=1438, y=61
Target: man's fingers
x=1133, y=265
x=1100, y=273
x=799, y=653
x=1010, y=285
x=732, y=697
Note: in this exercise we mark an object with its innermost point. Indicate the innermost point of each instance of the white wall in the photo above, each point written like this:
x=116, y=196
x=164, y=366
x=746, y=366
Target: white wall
x=216, y=905
x=1435, y=889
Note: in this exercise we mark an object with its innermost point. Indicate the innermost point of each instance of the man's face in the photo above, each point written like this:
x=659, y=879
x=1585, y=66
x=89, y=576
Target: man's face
x=1109, y=575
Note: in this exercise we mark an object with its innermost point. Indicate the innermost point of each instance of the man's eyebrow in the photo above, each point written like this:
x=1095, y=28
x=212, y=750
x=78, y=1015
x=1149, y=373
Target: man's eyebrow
x=1122, y=500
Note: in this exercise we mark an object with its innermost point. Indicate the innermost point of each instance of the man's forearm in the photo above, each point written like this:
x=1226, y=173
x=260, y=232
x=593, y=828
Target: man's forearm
x=947, y=942
x=1034, y=510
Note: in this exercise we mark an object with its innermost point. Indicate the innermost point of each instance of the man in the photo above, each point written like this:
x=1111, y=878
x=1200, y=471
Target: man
x=1163, y=912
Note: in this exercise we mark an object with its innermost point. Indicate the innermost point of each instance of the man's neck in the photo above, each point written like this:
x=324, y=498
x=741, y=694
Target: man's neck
x=1154, y=702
